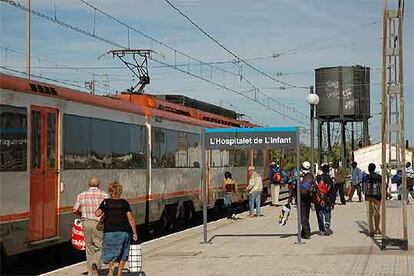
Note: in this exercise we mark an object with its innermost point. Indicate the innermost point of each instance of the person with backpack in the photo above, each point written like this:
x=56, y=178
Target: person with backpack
x=293, y=175
x=410, y=180
x=372, y=191
x=307, y=185
x=356, y=181
x=323, y=201
x=397, y=179
x=275, y=180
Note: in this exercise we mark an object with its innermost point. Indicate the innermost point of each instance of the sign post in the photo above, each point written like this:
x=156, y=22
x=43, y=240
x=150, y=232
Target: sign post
x=247, y=138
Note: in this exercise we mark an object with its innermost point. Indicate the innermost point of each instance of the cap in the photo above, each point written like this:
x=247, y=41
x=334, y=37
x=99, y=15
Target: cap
x=306, y=165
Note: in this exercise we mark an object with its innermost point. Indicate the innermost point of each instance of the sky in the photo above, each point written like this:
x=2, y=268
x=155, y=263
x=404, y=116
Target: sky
x=301, y=35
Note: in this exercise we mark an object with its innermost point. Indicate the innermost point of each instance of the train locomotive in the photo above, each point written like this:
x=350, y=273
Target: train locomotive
x=54, y=138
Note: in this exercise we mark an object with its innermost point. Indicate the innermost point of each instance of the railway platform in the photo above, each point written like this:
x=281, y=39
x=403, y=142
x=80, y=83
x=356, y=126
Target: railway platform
x=259, y=246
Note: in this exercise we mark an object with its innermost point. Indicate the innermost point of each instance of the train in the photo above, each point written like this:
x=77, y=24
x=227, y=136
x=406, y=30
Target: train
x=53, y=139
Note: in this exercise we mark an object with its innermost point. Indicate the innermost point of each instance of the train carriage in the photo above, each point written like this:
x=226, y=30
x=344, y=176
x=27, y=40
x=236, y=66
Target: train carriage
x=54, y=138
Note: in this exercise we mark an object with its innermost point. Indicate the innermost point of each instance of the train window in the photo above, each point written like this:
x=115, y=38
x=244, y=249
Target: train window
x=238, y=158
x=181, y=150
x=175, y=149
x=77, y=142
x=220, y=158
x=258, y=158
x=13, y=138
x=158, y=146
x=51, y=125
x=137, y=148
x=36, y=143
x=101, y=144
x=194, y=150
x=169, y=158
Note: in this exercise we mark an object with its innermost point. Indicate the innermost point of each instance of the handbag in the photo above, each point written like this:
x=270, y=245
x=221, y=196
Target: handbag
x=135, y=257
x=100, y=224
x=78, y=238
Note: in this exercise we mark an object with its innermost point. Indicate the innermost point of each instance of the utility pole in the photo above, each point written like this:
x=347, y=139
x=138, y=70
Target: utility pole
x=392, y=123
x=28, y=38
x=91, y=85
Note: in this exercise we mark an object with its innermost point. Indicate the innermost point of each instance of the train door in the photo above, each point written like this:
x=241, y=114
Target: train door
x=43, y=173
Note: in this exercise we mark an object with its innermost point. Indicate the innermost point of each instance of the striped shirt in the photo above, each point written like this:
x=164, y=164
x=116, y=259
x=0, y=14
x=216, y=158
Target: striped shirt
x=87, y=202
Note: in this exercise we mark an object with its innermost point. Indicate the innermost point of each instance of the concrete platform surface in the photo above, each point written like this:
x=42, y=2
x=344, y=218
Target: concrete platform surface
x=259, y=246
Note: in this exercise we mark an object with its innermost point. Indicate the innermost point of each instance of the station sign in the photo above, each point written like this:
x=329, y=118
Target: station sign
x=252, y=138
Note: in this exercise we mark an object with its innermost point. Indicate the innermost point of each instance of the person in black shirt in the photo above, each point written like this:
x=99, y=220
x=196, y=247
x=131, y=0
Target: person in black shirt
x=118, y=225
x=229, y=187
x=372, y=191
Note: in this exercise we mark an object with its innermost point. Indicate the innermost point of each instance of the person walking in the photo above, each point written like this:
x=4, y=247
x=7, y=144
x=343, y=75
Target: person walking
x=254, y=188
x=118, y=224
x=229, y=188
x=356, y=182
x=410, y=180
x=324, y=199
x=340, y=178
x=307, y=183
x=86, y=204
x=275, y=180
x=397, y=179
x=372, y=191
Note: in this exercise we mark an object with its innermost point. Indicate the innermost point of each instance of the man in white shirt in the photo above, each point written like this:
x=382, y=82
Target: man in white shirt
x=410, y=180
x=255, y=189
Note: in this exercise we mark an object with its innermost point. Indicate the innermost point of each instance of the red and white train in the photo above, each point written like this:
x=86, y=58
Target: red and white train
x=54, y=138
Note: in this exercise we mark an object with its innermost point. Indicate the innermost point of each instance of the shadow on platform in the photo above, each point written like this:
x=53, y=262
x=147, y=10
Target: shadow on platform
x=282, y=236
x=104, y=272
x=363, y=225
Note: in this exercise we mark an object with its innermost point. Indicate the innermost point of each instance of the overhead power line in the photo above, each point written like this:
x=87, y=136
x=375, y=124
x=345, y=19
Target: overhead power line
x=65, y=82
x=229, y=51
x=264, y=100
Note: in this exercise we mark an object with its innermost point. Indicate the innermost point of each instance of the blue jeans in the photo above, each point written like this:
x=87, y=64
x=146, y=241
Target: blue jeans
x=255, y=199
x=324, y=217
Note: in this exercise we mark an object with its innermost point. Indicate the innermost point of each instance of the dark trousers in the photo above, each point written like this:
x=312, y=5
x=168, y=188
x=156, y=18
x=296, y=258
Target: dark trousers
x=339, y=187
x=229, y=205
x=305, y=206
x=353, y=188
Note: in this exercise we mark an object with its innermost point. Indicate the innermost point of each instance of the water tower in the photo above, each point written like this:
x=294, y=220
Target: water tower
x=344, y=97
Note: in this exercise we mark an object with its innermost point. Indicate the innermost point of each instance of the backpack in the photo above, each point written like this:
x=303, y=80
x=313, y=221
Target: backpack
x=277, y=177
x=372, y=186
x=285, y=177
x=396, y=179
x=307, y=185
x=321, y=193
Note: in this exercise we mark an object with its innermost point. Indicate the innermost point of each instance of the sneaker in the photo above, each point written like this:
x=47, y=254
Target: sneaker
x=234, y=217
x=328, y=231
x=322, y=233
x=304, y=236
